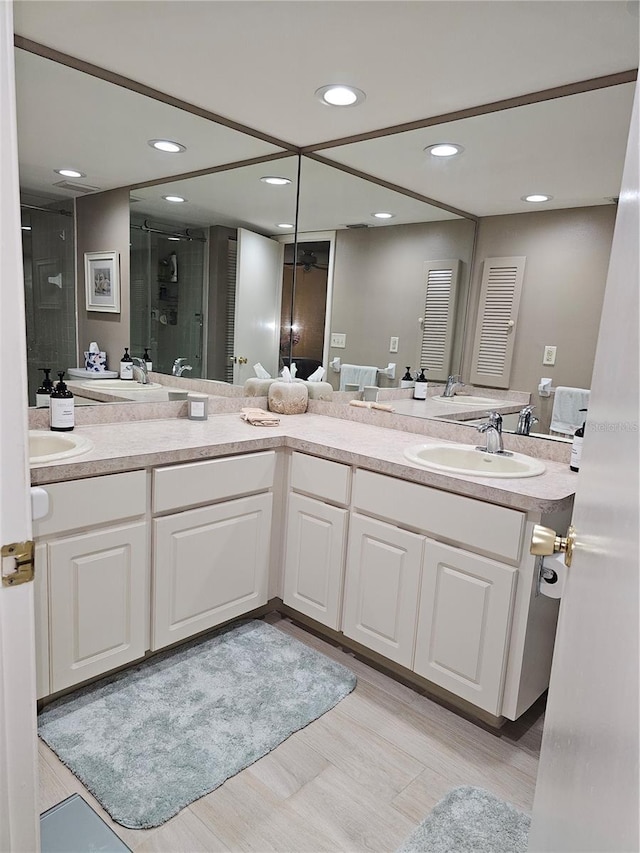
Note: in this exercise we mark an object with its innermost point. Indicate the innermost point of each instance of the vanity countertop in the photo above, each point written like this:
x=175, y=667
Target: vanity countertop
x=143, y=444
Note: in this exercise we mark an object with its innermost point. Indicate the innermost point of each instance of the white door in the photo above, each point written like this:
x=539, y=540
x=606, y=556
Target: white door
x=587, y=792
x=18, y=744
x=258, y=297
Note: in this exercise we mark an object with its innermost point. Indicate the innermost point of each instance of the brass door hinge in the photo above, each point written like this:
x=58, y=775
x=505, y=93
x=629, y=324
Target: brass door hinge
x=17, y=563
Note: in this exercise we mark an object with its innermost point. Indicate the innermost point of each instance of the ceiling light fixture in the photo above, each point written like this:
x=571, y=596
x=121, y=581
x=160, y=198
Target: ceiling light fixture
x=174, y=239
x=444, y=149
x=167, y=145
x=339, y=95
x=536, y=197
x=275, y=180
x=176, y=199
x=383, y=215
x=26, y=227
x=284, y=225
x=70, y=173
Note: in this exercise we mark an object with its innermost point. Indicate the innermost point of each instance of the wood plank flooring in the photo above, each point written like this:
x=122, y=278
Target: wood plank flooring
x=358, y=779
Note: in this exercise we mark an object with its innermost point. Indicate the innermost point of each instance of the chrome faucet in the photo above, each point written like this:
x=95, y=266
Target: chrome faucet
x=180, y=366
x=453, y=383
x=492, y=430
x=526, y=420
x=140, y=370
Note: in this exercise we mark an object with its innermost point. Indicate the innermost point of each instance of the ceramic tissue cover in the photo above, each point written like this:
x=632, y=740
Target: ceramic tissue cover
x=288, y=398
x=95, y=361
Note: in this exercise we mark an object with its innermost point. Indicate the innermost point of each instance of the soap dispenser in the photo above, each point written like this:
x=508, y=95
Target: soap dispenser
x=43, y=393
x=420, y=388
x=576, y=447
x=126, y=365
x=147, y=360
x=407, y=380
x=61, y=412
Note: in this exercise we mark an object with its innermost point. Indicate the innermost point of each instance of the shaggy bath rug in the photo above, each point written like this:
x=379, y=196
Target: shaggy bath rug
x=470, y=820
x=148, y=741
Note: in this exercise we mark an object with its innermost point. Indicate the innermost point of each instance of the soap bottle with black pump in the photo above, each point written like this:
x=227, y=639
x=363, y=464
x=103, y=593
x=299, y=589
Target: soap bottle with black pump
x=126, y=365
x=420, y=388
x=43, y=393
x=147, y=359
x=407, y=380
x=576, y=447
x=61, y=411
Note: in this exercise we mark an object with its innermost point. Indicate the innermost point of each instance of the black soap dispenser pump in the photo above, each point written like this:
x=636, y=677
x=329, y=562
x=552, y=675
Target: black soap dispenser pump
x=407, y=380
x=420, y=388
x=61, y=411
x=576, y=447
x=43, y=394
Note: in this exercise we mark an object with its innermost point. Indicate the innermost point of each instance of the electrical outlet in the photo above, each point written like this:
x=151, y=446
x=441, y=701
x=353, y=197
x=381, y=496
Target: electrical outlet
x=549, y=356
x=393, y=344
x=338, y=340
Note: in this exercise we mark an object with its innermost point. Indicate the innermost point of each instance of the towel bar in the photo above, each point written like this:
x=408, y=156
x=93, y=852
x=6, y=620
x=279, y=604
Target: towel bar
x=389, y=371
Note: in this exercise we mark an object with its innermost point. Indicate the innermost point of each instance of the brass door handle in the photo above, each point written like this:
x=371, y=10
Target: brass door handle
x=545, y=542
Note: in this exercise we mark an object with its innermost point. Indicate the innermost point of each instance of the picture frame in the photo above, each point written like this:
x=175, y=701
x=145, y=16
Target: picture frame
x=102, y=281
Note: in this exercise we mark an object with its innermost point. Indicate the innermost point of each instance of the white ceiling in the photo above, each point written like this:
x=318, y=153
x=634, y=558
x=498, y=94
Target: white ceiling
x=259, y=63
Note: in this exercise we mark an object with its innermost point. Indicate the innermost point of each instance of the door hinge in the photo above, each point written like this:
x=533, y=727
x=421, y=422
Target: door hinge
x=17, y=563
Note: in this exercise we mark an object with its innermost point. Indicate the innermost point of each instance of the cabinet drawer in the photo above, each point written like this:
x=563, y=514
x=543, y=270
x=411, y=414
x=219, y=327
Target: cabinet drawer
x=212, y=480
x=96, y=500
x=322, y=478
x=476, y=525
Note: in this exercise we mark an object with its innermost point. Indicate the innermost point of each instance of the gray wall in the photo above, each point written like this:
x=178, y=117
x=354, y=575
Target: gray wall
x=567, y=254
x=379, y=288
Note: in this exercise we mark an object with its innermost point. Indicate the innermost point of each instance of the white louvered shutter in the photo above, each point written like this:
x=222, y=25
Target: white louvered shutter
x=496, y=325
x=441, y=294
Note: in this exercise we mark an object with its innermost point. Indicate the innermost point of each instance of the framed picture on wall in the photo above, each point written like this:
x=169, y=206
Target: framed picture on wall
x=102, y=281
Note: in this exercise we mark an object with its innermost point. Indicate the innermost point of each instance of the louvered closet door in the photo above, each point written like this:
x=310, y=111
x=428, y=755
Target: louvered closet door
x=496, y=325
x=441, y=294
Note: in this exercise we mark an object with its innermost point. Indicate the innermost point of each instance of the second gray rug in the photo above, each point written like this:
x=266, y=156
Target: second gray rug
x=151, y=740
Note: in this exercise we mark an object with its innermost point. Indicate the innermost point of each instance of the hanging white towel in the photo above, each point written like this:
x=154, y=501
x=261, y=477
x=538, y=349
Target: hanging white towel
x=566, y=416
x=358, y=374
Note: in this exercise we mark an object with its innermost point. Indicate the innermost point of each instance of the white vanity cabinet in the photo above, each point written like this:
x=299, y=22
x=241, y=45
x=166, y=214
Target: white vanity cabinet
x=93, y=590
x=211, y=562
x=316, y=537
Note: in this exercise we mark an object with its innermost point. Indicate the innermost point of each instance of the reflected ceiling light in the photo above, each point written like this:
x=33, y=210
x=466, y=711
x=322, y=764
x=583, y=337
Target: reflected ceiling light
x=284, y=225
x=383, y=215
x=174, y=239
x=444, y=149
x=70, y=173
x=26, y=227
x=536, y=197
x=275, y=180
x=338, y=95
x=167, y=145
x=176, y=199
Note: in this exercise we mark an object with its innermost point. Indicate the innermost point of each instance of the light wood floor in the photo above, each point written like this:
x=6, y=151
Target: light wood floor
x=359, y=778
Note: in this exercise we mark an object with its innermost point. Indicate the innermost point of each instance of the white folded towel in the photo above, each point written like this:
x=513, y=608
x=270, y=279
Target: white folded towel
x=566, y=416
x=358, y=374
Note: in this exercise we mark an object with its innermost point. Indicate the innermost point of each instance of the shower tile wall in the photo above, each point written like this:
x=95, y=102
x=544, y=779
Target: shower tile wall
x=48, y=254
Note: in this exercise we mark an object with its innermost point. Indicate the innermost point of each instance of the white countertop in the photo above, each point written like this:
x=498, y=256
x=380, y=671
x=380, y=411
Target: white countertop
x=129, y=446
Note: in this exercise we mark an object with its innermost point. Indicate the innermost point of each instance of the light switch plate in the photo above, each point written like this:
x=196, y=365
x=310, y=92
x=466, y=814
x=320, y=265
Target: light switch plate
x=549, y=356
x=393, y=344
x=338, y=340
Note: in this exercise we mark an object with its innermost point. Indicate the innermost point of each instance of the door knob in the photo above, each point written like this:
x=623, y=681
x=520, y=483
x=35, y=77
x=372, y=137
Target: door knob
x=545, y=542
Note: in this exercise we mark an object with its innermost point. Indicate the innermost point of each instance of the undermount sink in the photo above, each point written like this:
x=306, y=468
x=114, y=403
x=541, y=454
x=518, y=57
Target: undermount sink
x=468, y=400
x=127, y=385
x=465, y=459
x=51, y=446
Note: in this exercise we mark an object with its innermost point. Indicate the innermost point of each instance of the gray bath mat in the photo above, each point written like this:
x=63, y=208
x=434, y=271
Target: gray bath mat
x=151, y=740
x=470, y=820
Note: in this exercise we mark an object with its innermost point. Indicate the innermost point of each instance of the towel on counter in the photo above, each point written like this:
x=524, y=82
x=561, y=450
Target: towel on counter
x=260, y=417
x=566, y=416
x=358, y=374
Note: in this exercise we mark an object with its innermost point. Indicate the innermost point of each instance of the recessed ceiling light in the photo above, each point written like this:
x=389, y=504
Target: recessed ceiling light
x=176, y=199
x=284, y=225
x=536, y=197
x=174, y=238
x=167, y=145
x=275, y=180
x=444, y=149
x=338, y=95
x=26, y=227
x=70, y=173
x=383, y=215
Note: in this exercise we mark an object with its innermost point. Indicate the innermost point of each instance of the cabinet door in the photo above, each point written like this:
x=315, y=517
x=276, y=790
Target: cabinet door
x=211, y=565
x=381, y=588
x=314, y=562
x=98, y=588
x=464, y=623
